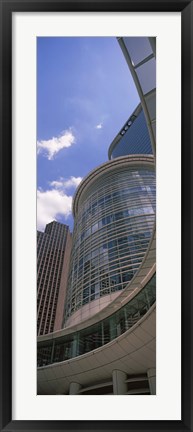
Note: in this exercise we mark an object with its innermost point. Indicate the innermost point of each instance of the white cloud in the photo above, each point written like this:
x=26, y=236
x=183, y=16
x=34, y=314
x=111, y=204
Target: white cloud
x=52, y=146
x=56, y=184
x=51, y=203
x=55, y=202
x=66, y=184
x=99, y=126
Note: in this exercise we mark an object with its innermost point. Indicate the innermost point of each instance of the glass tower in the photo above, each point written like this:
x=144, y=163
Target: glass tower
x=114, y=210
x=133, y=138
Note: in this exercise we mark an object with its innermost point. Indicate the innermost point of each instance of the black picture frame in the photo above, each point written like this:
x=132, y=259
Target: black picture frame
x=6, y=8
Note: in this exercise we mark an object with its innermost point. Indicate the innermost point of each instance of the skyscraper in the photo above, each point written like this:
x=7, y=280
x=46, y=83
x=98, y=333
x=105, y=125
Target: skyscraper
x=133, y=138
x=53, y=250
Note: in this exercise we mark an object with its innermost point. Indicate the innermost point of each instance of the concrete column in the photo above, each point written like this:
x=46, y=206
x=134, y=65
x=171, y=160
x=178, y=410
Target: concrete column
x=75, y=350
x=113, y=328
x=119, y=384
x=74, y=388
x=151, y=373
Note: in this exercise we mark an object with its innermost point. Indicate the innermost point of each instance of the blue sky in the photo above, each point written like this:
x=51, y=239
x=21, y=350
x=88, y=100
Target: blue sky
x=85, y=93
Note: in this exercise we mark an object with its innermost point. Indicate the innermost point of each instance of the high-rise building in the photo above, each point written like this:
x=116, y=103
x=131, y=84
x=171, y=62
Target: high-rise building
x=53, y=251
x=133, y=137
x=108, y=342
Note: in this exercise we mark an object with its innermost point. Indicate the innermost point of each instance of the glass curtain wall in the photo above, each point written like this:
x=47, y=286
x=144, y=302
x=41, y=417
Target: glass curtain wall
x=113, y=227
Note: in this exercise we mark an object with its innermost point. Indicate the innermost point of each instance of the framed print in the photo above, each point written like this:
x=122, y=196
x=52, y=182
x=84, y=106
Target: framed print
x=98, y=333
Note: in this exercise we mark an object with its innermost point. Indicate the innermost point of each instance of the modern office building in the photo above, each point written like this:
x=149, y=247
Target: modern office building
x=114, y=215
x=111, y=352
x=53, y=252
x=108, y=341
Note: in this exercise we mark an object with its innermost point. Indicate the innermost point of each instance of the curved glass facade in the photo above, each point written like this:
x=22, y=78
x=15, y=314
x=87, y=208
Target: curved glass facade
x=134, y=138
x=85, y=340
x=113, y=225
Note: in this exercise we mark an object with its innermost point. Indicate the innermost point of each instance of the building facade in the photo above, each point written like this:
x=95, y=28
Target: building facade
x=53, y=251
x=111, y=352
x=114, y=214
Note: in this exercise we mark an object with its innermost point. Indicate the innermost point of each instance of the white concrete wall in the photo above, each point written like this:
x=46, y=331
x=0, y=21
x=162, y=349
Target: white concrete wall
x=90, y=309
